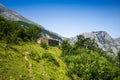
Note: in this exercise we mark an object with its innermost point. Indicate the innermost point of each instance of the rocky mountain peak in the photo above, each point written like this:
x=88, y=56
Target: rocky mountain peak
x=98, y=34
x=104, y=41
x=2, y=7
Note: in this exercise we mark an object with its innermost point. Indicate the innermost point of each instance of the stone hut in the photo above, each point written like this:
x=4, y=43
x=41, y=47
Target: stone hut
x=48, y=41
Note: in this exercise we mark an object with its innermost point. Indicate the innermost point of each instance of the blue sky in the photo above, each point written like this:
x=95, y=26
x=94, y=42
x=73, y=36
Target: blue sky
x=71, y=17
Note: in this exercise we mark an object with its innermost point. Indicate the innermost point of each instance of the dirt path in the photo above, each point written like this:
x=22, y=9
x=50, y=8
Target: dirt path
x=29, y=64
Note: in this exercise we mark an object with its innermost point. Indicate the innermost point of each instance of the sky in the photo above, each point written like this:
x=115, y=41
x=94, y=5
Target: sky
x=69, y=18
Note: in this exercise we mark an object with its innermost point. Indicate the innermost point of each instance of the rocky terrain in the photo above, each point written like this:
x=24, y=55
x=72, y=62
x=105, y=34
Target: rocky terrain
x=104, y=41
x=11, y=15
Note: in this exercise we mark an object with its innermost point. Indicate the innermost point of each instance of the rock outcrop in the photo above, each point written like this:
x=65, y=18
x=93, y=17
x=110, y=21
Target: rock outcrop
x=104, y=41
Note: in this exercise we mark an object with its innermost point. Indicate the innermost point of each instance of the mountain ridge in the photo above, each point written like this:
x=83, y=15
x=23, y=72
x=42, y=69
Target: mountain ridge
x=104, y=41
x=14, y=16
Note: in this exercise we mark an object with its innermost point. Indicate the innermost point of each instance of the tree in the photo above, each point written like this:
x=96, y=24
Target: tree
x=66, y=47
x=80, y=41
x=87, y=43
x=13, y=32
x=118, y=58
x=44, y=45
x=33, y=32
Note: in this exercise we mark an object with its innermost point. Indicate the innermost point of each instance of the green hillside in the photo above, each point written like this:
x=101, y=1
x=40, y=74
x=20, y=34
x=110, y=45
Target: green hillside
x=21, y=58
x=28, y=61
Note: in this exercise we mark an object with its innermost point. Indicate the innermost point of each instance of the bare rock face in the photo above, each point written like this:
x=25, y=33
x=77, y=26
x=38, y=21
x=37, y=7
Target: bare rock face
x=104, y=41
x=117, y=42
x=11, y=15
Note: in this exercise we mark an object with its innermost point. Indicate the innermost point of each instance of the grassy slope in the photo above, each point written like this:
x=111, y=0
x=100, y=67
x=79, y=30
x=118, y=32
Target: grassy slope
x=28, y=61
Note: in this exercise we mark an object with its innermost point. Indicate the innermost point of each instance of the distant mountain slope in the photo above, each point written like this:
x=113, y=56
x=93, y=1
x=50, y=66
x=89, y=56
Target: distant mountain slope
x=13, y=16
x=10, y=15
x=104, y=41
x=117, y=41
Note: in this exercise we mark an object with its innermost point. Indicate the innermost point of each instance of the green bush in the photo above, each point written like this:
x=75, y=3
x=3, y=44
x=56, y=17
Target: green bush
x=50, y=58
x=35, y=56
x=44, y=45
x=84, y=60
x=66, y=48
x=13, y=32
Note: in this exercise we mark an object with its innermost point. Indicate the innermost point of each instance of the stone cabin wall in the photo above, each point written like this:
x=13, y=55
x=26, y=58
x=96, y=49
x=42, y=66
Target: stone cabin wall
x=48, y=41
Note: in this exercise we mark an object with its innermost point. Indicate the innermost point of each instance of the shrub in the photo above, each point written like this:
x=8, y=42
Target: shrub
x=44, y=45
x=35, y=56
x=50, y=58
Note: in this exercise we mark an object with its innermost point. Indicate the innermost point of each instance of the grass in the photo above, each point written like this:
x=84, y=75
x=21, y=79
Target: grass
x=28, y=61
